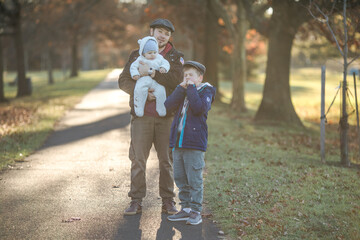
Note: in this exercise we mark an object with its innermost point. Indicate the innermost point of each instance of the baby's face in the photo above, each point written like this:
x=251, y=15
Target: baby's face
x=151, y=55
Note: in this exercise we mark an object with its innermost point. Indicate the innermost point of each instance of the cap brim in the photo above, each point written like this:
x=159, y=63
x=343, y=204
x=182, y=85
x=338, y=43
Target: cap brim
x=195, y=66
x=162, y=26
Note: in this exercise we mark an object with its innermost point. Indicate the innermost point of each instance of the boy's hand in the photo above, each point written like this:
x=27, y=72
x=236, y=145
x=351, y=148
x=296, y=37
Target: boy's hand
x=162, y=70
x=136, y=77
x=143, y=69
x=190, y=83
x=184, y=84
x=151, y=97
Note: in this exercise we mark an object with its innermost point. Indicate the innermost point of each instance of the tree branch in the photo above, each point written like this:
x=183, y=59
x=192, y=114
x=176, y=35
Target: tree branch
x=353, y=59
x=326, y=20
x=256, y=19
x=221, y=12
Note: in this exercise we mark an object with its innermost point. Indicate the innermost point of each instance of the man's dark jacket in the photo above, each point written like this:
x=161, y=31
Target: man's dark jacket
x=169, y=80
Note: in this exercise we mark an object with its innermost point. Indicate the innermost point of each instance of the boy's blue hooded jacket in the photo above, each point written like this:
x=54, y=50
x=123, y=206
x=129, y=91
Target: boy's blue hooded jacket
x=194, y=133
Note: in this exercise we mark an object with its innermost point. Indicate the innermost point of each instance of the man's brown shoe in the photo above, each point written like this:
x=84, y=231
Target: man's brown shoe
x=168, y=206
x=135, y=208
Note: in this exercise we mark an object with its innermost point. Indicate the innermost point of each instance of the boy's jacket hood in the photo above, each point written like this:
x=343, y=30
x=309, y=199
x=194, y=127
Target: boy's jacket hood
x=207, y=85
x=142, y=42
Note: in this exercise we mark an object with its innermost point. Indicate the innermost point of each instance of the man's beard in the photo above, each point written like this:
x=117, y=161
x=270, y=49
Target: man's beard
x=161, y=45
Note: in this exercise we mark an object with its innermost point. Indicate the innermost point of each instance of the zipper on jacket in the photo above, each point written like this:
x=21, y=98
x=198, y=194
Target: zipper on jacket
x=183, y=128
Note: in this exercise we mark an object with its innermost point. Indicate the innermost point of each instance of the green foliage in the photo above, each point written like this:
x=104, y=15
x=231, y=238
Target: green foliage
x=29, y=120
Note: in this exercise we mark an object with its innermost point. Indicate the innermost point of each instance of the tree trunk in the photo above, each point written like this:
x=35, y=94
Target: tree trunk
x=211, y=48
x=49, y=66
x=24, y=88
x=344, y=126
x=74, y=57
x=276, y=104
x=2, y=93
x=239, y=62
x=238, y=88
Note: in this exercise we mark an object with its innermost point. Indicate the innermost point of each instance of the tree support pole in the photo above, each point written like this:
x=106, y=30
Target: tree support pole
x=322, y=118
x=357, y=113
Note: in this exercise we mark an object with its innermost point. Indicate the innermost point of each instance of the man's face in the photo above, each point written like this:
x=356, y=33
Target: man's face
x=162, y=36
x=191, y=74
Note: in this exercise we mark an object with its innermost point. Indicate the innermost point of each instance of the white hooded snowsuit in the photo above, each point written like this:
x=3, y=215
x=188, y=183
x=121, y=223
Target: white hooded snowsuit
x=144, y=83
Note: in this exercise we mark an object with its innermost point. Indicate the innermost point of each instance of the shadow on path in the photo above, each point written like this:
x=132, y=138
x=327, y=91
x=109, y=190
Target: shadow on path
x=130, y=229
x=76, y=133
x=203, y=231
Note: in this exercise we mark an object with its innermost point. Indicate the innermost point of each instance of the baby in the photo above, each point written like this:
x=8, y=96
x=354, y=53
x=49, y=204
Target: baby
x=149, y=55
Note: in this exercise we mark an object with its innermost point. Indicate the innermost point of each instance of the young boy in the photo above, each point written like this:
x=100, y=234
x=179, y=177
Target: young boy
x=149, y=54
x=192, y=99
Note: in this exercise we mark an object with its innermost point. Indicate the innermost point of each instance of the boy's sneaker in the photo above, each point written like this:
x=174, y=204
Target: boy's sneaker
x=180, y=216
x=194, y=218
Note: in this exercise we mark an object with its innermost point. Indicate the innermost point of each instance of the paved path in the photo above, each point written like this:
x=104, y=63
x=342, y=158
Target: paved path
x=75, y=186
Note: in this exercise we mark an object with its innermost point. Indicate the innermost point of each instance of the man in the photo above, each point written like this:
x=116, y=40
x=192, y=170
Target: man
x=151, y=128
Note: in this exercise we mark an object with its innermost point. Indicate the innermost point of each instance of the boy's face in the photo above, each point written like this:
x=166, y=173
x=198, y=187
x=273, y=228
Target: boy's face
x=162, y=36
x=150, y=55
x=193, y=75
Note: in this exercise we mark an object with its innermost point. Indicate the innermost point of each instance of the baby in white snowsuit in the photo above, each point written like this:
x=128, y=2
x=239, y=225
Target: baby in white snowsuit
x=149, y=55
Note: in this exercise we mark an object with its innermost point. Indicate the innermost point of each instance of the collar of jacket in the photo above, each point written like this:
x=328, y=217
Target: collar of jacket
x=167, y=48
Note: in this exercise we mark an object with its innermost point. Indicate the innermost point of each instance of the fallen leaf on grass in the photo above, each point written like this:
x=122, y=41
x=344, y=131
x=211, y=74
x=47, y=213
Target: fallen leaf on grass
x=240, y=232
x=207, y=215
x=244, y=222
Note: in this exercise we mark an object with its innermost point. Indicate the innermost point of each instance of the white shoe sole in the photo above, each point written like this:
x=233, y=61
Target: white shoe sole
x=178, y=219
x=189, y=223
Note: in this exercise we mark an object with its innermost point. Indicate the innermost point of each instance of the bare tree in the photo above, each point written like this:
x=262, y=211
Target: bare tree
x=10, y=17
x=2, y=94
x=211, y=46
x=280, y=29
x=343, y=48
x=235, y=22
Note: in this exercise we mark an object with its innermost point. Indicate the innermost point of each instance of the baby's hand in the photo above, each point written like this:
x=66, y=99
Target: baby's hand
x=162, y=70
x=136, y=77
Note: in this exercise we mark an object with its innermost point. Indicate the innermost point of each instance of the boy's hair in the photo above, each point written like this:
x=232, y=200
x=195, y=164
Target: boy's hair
x=187, y=67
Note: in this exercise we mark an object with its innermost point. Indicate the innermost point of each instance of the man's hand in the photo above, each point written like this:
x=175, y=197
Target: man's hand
x=136, y=77
x=143, y=69
x=162, y=70
x=151, y=97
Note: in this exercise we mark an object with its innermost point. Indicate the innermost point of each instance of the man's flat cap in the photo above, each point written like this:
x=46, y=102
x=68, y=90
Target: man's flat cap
x=161, y=22
x=197, y=65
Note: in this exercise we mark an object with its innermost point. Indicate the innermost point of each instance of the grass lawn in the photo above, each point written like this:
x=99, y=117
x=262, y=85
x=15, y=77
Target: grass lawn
x=267, y=182
x=26, y=122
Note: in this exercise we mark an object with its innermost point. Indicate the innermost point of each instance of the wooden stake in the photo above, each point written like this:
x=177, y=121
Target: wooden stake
x=357, y=112
x=322, y=118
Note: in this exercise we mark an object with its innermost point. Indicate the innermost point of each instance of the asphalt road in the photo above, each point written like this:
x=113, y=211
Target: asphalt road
x=76, y=185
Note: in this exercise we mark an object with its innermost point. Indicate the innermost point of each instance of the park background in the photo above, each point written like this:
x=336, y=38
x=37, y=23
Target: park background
x=264, y=177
